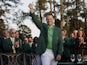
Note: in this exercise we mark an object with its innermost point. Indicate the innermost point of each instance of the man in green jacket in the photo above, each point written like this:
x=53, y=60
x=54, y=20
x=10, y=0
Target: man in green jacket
x=50, y=40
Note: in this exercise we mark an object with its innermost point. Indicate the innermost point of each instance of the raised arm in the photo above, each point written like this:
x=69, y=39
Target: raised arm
x=34, y=17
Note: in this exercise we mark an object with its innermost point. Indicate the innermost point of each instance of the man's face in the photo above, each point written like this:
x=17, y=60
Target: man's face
x=6, y=34
x=30, y=39
x=17, y=34
x=26, y=40
x=12, y=33
x=80, y=33
x=50, y=19
x=75, y=32
x=63, y=33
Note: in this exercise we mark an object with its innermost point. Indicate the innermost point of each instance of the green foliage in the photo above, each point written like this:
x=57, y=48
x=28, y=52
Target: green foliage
x=41, y=4
x=67, y=4
x=74, y=9
x=1, y=12
x=76, y=24
x=2, y=26
x=24, y=30
x=72, y=12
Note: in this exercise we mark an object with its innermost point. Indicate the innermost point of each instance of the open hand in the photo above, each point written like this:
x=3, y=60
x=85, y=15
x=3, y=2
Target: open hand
x=16, y=44
x=58, y=58
x=31, y=6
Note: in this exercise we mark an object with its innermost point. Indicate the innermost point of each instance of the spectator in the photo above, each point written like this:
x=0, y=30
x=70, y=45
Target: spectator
x=27, y=50
x=34, y=46
x=26, y=46
x=30, y=40
x=81, y=41
x=17, y=34
x=19, y=50
x=11, y=44
x=66, y=47
x=75, y=33
x=19, y=40
x=72, y=42
x=5, y=34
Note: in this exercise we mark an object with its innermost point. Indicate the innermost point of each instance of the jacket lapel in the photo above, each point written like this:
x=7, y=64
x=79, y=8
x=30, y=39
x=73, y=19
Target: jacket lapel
x=54, y=31
x=55, y=37
x=11, y=40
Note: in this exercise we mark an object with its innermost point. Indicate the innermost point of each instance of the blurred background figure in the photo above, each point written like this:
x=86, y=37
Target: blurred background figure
x=30, y=40
x=72, y=42
x=34, y=46
x=66, y=47
x=11, y=45
x=5, y=34
x=75, y=33
x=27, y=49
x=81, y=43
x=18, y=39
x=17, y=34
x=26, y=46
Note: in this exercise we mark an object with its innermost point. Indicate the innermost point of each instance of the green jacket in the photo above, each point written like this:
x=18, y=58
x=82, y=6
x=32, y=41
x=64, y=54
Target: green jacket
x=26, y=48
x=42, y=44
x=7, y=46
x=66, y=47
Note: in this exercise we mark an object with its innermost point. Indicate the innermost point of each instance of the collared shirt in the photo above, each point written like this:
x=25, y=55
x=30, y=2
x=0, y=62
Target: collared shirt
x=6, y=37
x=50, y=35
x=30, y=43
x=13, y=40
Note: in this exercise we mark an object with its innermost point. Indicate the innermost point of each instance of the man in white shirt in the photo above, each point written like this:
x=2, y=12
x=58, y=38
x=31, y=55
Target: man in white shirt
x=30, y=40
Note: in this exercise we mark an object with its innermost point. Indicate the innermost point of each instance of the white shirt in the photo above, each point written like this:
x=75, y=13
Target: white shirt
x=30, y=44
x=13, y=40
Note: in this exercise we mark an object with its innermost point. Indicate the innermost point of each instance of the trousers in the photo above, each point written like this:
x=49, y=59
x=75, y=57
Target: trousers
x=47, y=58
x=38, y=59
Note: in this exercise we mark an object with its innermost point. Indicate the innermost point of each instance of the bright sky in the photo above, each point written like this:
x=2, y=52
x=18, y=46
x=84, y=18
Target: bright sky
x=35, y=30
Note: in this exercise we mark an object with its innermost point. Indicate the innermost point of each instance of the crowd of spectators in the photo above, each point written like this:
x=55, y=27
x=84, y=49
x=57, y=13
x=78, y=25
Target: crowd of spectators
x=73, y=43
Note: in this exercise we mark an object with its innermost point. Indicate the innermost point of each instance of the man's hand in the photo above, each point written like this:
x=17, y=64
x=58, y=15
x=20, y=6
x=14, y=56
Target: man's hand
x=58, y=58
x=31, y=7
x=16, y=44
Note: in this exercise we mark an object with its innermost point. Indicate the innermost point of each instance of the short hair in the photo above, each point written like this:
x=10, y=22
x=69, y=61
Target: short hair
x=4, y=30
x=30, y=37
x=17, y=31
x=49, y=14
x=35, y=40
x=10, y=31
x=82, y=32
x=64, y=30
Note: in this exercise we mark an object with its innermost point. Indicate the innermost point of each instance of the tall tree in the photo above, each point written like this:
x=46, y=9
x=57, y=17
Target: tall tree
x=24, y=31
x=2, y=26
x=72, y=11
x=1, y=12
x=41, y=6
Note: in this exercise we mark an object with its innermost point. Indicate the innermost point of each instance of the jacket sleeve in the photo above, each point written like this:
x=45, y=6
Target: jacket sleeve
x=7, y=47
x=60, y=43
x=36, y=20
